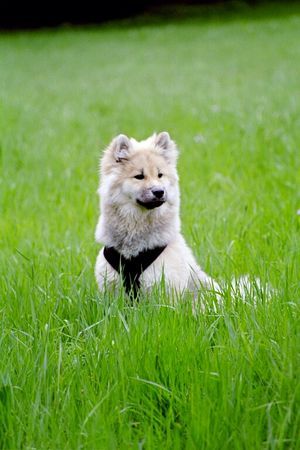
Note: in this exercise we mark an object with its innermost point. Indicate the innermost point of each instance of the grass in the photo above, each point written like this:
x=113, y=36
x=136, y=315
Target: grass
x=80, y=371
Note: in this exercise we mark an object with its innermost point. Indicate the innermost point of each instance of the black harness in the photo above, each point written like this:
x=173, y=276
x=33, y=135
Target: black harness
x=131, y=269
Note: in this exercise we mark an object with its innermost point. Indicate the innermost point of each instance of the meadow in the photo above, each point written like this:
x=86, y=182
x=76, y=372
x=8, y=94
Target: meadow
x=80, y=370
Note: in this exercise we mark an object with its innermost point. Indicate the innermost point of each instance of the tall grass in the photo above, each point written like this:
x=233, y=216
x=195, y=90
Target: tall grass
x=80, y=369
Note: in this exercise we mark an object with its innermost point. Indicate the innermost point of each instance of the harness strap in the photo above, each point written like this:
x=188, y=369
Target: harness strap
x=132, y=268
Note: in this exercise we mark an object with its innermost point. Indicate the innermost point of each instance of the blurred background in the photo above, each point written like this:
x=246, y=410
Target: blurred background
x=14, y=15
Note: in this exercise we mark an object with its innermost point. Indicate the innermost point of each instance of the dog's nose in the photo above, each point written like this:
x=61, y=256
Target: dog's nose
x=158, y=192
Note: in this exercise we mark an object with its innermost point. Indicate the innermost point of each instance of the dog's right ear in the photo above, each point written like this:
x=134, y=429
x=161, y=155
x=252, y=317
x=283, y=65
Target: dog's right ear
x=120, y=148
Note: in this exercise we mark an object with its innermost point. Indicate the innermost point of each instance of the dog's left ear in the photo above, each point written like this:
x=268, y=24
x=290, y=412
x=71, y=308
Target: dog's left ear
x=167, y=148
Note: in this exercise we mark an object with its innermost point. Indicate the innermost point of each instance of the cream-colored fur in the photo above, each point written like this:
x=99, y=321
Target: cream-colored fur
x=130, y=227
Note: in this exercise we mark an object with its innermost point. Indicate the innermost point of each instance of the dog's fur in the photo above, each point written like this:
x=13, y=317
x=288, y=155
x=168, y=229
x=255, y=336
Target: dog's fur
x=143, y=213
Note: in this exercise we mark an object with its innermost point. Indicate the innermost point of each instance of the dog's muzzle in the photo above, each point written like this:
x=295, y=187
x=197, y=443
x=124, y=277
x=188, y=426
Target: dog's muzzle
x=153, y=198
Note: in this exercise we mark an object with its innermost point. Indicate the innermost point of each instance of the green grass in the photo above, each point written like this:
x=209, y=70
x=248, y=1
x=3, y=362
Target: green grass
x=80, y=371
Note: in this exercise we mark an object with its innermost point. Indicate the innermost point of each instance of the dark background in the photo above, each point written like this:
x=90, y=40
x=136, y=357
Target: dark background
x=26, y=14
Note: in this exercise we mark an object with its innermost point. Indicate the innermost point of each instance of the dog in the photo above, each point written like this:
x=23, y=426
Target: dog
x=139, y=223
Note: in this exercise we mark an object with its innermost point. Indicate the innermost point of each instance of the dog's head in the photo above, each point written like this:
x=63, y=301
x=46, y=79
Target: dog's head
x=140, y=174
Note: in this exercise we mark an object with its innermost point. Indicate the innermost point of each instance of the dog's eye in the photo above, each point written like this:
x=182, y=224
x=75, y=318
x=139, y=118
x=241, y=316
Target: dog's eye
x=160, y=175
x=140, y=176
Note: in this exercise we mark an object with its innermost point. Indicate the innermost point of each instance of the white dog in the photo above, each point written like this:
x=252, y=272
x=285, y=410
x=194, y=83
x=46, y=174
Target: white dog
x=139, y=223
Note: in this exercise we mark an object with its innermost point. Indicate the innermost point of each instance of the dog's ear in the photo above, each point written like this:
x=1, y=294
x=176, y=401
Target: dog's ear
x=167, y=148
x=120, y=148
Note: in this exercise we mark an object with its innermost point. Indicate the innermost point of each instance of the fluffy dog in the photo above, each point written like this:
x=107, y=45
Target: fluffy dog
x=139, y=223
